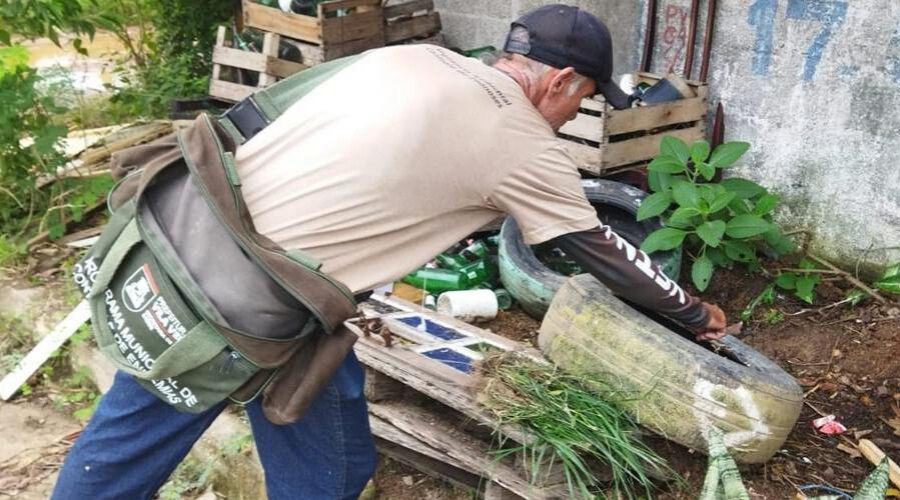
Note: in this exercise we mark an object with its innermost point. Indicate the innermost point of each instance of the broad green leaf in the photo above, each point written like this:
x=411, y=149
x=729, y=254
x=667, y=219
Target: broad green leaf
x=675, y=147
x=805, y=287
x=46, y=141
x=786, y=281
x=666, y=164
x=781, y=244
x=5, y=37
x=738, y=206
x=700, y=152
x=701, y=272
x=765, y=204
x=685, y=194
x=739, y=251
x=706, y=170
x=746, y=226
x=659, y=181
x=654, y=205
x=720, y=202
x=666, y=238
x=711, y=232
x=742, y=188
x=890, y=280
x=707, y=191
x=718, y=257
x=684, y=213
x=726, y=154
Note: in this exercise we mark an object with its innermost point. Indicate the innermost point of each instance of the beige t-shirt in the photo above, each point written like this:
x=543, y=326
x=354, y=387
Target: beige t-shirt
x=402, y=154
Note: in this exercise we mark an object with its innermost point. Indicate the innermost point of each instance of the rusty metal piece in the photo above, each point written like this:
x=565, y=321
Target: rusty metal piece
x=386, y=335
x=691, y=40
x=718, y=135
x=649, y=35
x=707, y=41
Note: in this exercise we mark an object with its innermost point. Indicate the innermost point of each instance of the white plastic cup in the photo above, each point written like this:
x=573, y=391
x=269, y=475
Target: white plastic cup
x=468, y=305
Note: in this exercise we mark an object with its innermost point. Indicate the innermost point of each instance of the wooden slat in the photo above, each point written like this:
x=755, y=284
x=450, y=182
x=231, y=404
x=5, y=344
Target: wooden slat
x=645, y=148
x=269, y=50
x=585, y=126
x=412, y=28
x=282, y=68
x=407, y=8
x=47, y=346
x=334, y=51
x=237, y=58
x=434, y=430
x=353, y=27
x=657, y=115
x=229, y=91
x=586, y=157
x=220, y=42
x=284, y=23
x=404, y=452
x=332, y=6
x=592, y=104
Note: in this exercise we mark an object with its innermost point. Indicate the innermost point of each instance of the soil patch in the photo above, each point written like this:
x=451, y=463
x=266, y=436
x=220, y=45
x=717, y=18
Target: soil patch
x=846, y=358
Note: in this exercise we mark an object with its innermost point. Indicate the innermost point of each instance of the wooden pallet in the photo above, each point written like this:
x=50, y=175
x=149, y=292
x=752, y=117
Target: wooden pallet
x=411, y=20
x=265, y=64
x=340, y=28
x=604, y=140
x=424, y=411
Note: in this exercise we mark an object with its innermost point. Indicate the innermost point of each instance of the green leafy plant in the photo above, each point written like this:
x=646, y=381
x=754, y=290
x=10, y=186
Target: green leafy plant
x=803, y=284
x=719, y=223
x=890, y=280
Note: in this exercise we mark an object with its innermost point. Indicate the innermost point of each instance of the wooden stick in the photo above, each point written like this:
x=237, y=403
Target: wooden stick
x=874, y=454
x=692, y=39
x=649, y=35
x=849, y=277
x=34, y=359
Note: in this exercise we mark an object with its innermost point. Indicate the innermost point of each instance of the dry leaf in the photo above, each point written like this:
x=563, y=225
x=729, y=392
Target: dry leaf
x=853, y=452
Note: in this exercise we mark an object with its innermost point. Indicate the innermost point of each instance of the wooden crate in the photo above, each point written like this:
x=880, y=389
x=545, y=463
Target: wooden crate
x=604, y=140
x=265, y=64
x=340, y=28
x=410, y=20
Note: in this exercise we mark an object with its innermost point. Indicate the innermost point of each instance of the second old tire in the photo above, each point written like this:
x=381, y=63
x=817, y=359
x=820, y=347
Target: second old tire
x=533, y=284
x=670, y=384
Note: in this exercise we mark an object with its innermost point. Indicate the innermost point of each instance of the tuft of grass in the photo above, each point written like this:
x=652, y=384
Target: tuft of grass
x=573, y=426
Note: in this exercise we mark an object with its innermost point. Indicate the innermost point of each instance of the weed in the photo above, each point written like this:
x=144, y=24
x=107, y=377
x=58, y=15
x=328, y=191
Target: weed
x=720, y=223
x=773, y=316
x=573, y=426
x=191, y=477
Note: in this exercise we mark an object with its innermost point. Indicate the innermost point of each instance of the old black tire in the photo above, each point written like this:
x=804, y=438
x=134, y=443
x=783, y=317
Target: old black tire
x=533, y=284
x=679, y=388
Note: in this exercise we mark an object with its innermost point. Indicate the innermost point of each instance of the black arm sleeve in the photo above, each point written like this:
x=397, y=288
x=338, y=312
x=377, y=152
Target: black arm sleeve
x=630, y=273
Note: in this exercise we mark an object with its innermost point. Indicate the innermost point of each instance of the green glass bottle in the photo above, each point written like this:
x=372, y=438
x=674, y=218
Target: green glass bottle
x=451, y=261
x=476, y=273
x=504, y=299
x=477, y=250
x=438, y=280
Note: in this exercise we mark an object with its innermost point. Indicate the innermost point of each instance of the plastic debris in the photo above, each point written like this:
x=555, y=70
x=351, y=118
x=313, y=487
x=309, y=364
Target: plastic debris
x=829, y=425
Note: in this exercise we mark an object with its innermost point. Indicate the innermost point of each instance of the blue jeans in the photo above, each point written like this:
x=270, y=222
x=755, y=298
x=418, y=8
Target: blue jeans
x=135, y=441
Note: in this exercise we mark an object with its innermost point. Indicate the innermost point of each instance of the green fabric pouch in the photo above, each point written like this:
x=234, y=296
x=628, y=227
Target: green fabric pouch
x=144, y=325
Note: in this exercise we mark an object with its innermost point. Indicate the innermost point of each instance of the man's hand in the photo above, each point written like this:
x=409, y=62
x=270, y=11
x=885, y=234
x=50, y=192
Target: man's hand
x=715, y=326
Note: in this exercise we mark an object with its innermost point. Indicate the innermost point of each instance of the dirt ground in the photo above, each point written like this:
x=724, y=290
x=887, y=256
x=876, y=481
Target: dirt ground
x=847, y=359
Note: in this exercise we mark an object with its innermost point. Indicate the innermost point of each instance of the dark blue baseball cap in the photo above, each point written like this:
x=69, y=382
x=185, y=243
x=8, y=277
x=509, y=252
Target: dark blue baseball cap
x=564, y=35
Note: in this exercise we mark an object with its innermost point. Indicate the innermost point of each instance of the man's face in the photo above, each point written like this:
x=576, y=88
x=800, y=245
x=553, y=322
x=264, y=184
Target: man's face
x=558, y=103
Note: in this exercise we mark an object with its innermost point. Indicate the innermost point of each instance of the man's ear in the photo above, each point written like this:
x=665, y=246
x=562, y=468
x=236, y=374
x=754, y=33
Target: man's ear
x=562, y=79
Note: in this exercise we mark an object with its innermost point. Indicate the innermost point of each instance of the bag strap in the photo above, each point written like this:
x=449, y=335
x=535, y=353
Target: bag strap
x=249, y=116
x=208, y=153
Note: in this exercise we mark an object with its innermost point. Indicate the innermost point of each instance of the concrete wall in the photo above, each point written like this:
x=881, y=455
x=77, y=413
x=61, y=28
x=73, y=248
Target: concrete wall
x=813, y=85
